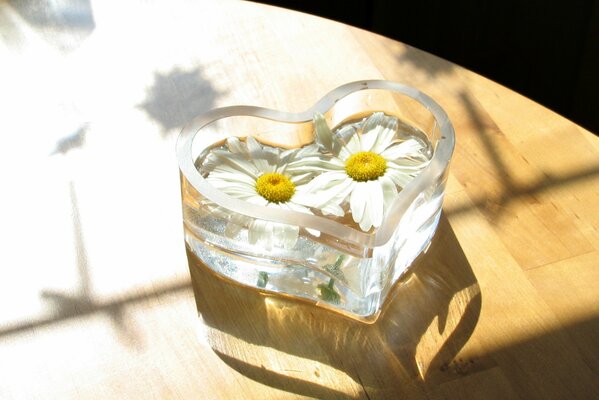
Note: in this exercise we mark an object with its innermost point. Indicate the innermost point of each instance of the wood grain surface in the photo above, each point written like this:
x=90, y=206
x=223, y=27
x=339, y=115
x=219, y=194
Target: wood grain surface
x=98, y=298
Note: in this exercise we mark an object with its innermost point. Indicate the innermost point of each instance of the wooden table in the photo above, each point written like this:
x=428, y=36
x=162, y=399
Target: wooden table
x=96, y=299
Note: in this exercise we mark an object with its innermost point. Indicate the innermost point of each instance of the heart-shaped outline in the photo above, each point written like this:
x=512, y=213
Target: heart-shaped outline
x=434, y=171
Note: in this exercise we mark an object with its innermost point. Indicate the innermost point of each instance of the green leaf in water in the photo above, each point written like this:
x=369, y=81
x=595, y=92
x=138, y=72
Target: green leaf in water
x=335, y=269
x=328, y=293
x=262, y=279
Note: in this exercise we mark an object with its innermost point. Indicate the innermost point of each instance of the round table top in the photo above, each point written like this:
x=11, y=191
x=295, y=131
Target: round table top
x=98, y=298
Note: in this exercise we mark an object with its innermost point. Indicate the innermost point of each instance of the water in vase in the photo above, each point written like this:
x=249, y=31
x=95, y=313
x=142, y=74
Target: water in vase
x=350, y=174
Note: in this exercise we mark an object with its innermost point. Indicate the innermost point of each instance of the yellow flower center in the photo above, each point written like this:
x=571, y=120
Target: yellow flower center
x=365, y=166
x=275, y=187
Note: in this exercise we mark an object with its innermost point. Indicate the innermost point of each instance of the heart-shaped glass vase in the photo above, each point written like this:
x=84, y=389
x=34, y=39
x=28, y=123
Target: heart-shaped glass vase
x=340, y=252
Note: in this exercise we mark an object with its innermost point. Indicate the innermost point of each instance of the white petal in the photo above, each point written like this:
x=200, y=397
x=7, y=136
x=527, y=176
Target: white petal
x=259, y=231
x=344, y=153
x=239, y=192
x=223, y=167
x=324, y=181
x=315, y=164
x=258, y=200
x=266, y=239
x=385, y=139
x=342, y=191
x=237, y=163
x=386, y=132
x=377, y=132
x=280, y=235
x=373, y=122
x=354, y=145
x=301, y=179
x=368, y=140
x=400, y=179
x=306, y=151
x=289, y=235
x=327, y=140
x=252, y=145
x=272, y=155
x=228, y=186
x=283, y=160
x=209, y=163
x=332, y=209
x=324, y=135
x=409, y=148
x=407, y=165
x=358, y=201
x=236, y=146
x=299, y=208
x=235, y=223
x=304, y=198
x=365, y=223
x=291, y=205
x=340, y=138
x=230, y=178
x=345, y=133
x=257, y=155
x=240, y=195
x=374, y=206
x=389, y=191
x=249, y=197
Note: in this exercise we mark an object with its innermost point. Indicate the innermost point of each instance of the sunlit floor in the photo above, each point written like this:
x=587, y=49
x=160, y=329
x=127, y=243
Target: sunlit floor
x=96, y=299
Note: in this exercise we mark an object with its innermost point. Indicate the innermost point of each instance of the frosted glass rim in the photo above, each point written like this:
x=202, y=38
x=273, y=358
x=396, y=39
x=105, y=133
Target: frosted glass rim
x=427, y=177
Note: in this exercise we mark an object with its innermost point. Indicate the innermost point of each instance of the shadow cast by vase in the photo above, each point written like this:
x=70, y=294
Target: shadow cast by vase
x=409, y=350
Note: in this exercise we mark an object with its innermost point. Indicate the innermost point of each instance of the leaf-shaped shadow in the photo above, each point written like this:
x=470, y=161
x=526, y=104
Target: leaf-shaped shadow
x=178, y=96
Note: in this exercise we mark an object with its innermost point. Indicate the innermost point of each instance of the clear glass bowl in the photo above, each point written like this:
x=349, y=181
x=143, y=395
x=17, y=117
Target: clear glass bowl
x=344, y=269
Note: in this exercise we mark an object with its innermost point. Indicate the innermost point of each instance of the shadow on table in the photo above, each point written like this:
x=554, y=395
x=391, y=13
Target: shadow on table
x=178, y=96
x=64, y=24
x=300, y=348
x=430, y=64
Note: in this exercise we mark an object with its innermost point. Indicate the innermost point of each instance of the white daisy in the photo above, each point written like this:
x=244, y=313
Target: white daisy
x=366, y=166
x=265, y=176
